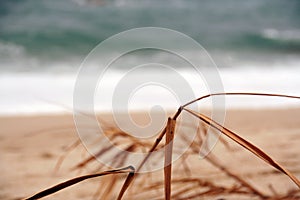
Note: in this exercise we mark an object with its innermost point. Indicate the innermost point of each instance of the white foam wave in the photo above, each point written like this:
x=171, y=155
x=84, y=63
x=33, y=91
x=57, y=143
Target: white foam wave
x=48, y=93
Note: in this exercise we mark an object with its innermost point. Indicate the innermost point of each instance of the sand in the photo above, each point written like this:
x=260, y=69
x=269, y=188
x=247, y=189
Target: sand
x=31, y=146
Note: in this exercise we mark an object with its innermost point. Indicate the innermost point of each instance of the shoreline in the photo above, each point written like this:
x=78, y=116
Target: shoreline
x=143, y=111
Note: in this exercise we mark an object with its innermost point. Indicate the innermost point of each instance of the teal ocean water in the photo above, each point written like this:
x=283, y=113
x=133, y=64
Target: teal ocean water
x=36, y=35
x=255, y=44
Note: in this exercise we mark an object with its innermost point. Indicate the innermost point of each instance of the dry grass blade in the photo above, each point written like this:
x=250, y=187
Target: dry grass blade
x=131, y=176
x=126, y=184
x=156, y=143
x=119, y=137
x=252, y=148
x=212, y=159
x=240, y=94
x=168, y=157
x=73, y=181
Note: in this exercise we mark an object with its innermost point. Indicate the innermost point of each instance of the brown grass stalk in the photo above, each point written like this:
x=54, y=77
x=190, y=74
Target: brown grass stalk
x=207, y=188
x=168, y=157
x=76, y=180
x=252, y=148
x=212, y=159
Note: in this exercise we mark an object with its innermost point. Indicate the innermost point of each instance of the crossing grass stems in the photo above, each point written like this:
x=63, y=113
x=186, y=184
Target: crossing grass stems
x=189, y=182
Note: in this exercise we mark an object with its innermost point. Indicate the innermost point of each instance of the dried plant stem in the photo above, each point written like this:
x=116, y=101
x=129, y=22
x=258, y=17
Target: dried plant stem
x=168, y=157
x=73, y=181
x=240, y=94
x=130, y=178
x=157, y=141
x=212, y=159
x=252, y=148
x=126, y=184
x=169, y=131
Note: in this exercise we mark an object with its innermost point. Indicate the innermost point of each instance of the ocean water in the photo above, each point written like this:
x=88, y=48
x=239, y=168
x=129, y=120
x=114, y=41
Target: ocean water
x=255, y=45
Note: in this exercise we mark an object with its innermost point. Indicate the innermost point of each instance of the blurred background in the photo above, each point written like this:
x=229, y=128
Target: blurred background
x=255, y=44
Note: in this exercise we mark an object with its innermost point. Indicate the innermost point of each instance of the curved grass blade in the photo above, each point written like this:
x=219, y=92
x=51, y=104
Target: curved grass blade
x=240, y=94
x=252, y=148
x=73, y=181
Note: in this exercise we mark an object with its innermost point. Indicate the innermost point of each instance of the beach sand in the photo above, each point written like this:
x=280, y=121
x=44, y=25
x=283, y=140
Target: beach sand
x=30, y=147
